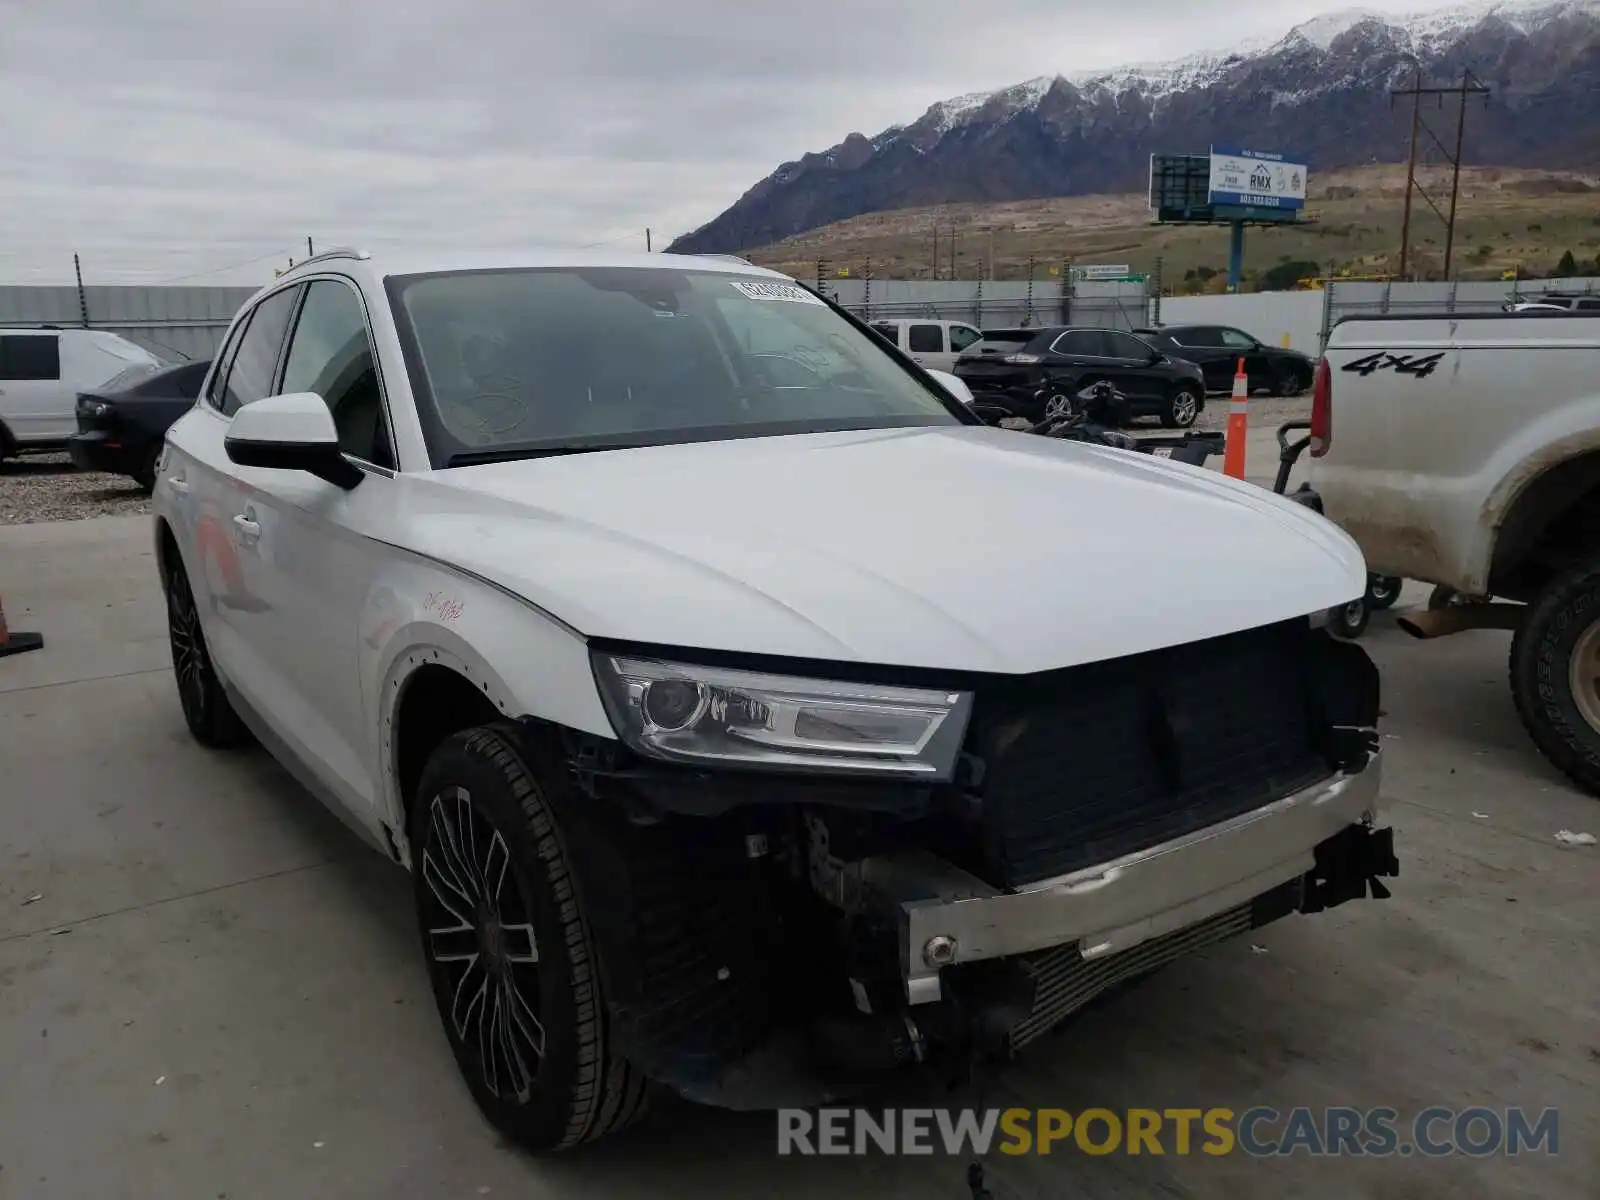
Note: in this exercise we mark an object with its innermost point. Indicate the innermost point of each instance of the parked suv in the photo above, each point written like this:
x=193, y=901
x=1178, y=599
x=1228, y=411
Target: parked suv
x=1217, y=349
x=931, y=344
x=1021, y=368
x=736, y=734
x=42, y=370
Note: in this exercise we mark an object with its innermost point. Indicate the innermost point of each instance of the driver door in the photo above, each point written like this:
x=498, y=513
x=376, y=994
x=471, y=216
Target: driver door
x=318, y=541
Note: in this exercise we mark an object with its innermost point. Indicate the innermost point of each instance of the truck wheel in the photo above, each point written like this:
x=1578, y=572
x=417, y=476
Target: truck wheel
x=514, y=971
x=1555, y=674
x=1349, y=621
x=1383, y=591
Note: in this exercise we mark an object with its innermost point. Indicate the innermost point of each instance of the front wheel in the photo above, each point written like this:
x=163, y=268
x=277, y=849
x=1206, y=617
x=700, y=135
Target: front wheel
x=145, y=473
x=1555, y=674
x=515, y=973
x=1182, y=407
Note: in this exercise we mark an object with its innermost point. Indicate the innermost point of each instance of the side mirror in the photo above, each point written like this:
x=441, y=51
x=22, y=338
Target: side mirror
x=291, y=433
x=953, y=385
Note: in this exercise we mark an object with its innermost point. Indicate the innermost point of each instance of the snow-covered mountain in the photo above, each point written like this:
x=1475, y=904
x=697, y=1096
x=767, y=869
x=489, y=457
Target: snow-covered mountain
x=1321, y=91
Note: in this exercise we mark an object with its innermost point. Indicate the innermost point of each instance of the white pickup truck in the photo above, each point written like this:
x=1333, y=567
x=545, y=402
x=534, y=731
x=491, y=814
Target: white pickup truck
x=1464, y=451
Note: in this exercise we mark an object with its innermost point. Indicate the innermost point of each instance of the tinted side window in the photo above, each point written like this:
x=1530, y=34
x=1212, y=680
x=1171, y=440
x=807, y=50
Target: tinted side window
x=331, y=355
x=1080, y=343
x=1121, y=345
x=1235, y=340
x=926, y=339
x=250, y=374
x=30, y=356
x=224, y=361
x=961, y=337
x=890, y=332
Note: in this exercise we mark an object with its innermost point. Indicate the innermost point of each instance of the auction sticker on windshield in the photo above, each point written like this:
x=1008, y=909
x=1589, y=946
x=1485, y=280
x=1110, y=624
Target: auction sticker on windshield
x=757, y=290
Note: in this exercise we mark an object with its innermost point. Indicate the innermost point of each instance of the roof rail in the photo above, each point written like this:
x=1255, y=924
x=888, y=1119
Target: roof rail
x=336, y=252
x=733, y=258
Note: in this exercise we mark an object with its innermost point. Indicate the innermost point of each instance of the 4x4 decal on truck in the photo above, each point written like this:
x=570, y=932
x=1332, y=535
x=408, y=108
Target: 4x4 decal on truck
x=1420, y=365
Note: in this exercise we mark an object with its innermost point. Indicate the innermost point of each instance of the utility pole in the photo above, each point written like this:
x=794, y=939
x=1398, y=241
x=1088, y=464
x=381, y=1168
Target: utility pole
x=1470, y=85
x=647, y=239
x=952, y=240
x=935, y=274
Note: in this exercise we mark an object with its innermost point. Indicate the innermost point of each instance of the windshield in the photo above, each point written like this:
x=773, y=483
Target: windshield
x=512, y=362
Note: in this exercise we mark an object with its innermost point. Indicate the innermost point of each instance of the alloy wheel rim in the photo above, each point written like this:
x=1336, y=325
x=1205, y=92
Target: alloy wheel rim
x=481, y=941
x=1583, y=675
x=1183, y=408
x=188, y=648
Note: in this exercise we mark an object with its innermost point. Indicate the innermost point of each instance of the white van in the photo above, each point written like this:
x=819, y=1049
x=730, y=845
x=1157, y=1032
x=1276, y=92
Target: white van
x=933, y=344
x=42, y=370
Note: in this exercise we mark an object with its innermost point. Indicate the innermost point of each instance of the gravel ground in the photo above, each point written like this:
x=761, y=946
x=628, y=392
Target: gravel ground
x=1264, y=412
x=47, y=487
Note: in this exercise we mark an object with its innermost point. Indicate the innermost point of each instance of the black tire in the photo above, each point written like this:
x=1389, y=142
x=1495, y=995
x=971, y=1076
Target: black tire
x=1349, y=621
x=206, y=709
x=145, y=473
x=541, y=1003
x=1287, y=381
x=1182, y=408
x=1542, y=651
x=1383, y=591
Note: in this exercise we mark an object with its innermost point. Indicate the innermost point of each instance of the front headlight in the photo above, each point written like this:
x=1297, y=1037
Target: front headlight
x=714, y=716
x=93, y=408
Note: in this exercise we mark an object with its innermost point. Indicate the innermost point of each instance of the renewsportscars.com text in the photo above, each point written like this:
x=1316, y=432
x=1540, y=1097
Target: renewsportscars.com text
x=1259, y=1132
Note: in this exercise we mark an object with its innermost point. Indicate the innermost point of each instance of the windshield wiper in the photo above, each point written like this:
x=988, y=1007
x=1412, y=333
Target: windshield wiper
x=472, y=458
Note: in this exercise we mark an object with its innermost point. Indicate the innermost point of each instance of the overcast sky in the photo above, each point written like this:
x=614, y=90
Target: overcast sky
x=169, y=138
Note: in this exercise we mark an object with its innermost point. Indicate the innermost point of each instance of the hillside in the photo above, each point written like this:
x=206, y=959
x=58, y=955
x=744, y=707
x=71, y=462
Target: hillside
x=1507, y=218
x=1321, y=93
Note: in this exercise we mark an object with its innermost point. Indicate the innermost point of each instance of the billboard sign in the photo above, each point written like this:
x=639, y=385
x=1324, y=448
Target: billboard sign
x=1256, y=179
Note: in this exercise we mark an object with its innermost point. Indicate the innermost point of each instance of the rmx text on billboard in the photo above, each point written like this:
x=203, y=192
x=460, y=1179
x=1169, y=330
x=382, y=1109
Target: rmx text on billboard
x=1256, y=179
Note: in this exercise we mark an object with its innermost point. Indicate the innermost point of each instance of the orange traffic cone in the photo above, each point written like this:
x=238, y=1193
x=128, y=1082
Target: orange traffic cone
x=1238, y=425
x=13, y=642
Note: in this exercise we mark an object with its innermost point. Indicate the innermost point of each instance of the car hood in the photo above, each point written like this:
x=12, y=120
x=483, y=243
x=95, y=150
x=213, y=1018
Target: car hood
x=964, y=548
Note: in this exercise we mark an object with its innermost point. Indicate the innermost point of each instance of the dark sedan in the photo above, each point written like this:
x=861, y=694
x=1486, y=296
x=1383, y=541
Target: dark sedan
x=1217, y=350
x=1012, y=366
x=121, y=426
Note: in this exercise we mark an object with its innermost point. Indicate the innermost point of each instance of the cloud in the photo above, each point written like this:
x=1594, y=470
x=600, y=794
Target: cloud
x=172, y=137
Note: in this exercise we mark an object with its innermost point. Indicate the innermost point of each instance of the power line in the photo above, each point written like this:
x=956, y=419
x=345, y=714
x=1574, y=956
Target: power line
x=230, y=267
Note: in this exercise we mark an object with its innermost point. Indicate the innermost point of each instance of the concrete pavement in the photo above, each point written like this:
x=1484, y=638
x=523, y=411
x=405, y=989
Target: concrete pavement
x=218, y=993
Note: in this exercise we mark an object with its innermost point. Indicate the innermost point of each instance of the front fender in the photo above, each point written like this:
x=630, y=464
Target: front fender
x=526, y=662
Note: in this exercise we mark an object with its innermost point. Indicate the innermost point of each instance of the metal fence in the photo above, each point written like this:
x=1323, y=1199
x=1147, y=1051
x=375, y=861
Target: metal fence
x=175, y=323
x=989, y=304
x=189, y=322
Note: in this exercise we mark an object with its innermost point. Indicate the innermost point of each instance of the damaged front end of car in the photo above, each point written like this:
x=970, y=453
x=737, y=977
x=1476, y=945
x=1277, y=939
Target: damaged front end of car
x=995, y=853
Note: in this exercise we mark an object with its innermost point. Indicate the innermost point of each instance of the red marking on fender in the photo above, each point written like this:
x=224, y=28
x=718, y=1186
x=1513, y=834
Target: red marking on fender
x=446, y=608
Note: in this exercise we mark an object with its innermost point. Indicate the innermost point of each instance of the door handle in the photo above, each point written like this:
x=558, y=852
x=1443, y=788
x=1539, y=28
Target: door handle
x=178, y=484
x=248, y=530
